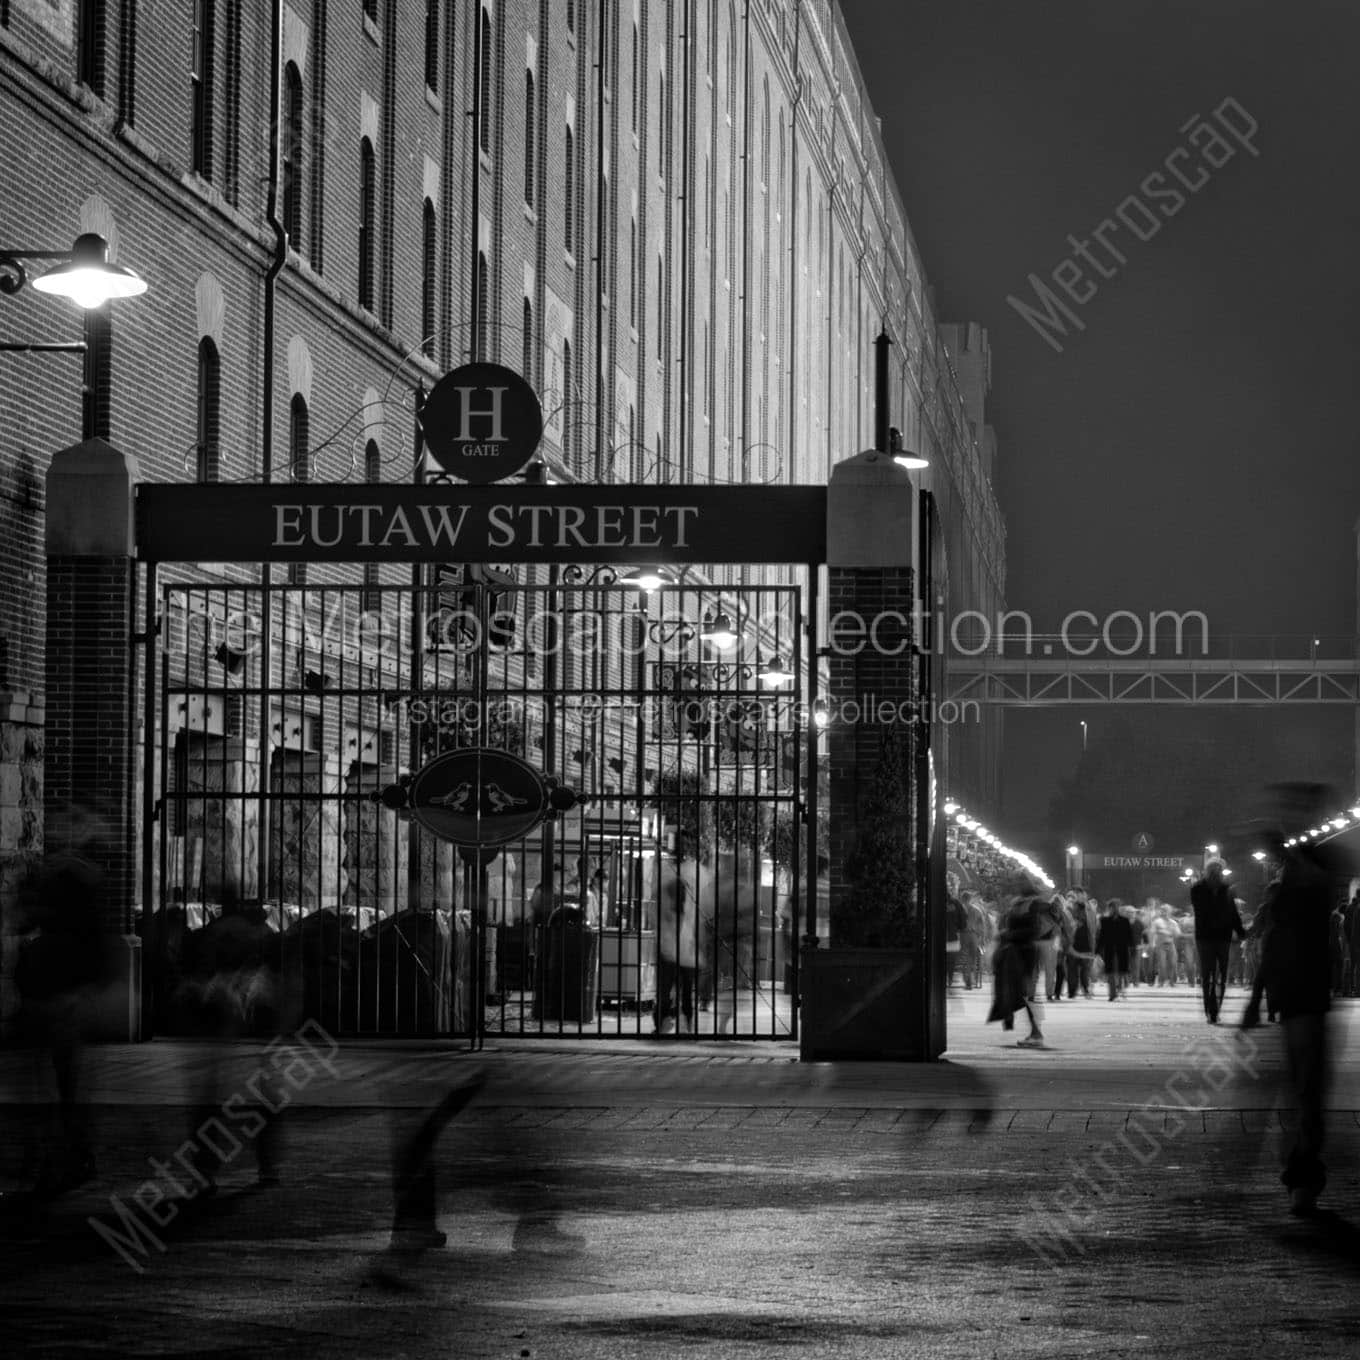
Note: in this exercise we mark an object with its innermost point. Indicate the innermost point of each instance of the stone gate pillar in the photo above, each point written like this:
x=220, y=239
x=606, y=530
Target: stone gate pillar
x=90, y=790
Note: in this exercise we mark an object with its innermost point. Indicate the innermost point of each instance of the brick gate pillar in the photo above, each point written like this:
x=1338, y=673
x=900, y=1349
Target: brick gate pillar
x=865, y=990
x=873, y=673
x=90, y=791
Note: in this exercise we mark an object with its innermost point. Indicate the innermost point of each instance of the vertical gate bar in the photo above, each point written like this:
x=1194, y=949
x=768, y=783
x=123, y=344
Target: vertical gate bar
x=164, y=763
x=810, y=723
x=263, y=823
x=790, y=744
x=643, y=711
x=152, y=920
x=548, y=852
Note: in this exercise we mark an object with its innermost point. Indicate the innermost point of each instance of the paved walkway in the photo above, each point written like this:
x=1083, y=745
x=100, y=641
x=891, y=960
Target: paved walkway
x=616, y=1200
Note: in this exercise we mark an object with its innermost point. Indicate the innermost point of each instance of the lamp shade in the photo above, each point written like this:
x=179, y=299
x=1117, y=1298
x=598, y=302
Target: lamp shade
x=88, y=278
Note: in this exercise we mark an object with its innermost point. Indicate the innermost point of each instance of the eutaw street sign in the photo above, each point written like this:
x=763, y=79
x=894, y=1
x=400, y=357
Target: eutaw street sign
x=344, y=522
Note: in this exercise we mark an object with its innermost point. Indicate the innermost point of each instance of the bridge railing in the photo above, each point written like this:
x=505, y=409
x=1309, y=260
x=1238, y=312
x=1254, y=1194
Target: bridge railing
x=1082, y=645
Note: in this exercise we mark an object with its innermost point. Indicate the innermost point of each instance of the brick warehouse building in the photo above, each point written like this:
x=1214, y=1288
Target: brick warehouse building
x=684, y=234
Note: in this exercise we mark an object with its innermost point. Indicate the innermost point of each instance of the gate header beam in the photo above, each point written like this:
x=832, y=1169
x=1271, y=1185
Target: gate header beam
x=345, y=522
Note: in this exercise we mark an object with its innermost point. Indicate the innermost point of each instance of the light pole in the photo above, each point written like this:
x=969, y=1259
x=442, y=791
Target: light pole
x=1083, y=737
x=83, y=274
x=1076, y=864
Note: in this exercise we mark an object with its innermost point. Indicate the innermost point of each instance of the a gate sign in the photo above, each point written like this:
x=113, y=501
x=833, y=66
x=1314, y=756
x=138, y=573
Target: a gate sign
x=344, y=522
x=1149, y=862
x=479, y=796
x=1142, y=842
x=482, y=422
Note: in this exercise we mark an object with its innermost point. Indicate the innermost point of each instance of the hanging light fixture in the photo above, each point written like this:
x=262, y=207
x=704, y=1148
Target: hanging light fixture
x=718, y=631
x=774, y=672
x=88, y=278
x=648, y=578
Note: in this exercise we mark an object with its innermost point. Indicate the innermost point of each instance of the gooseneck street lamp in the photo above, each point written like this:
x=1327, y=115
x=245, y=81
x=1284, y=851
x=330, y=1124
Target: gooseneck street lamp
x=84, y=275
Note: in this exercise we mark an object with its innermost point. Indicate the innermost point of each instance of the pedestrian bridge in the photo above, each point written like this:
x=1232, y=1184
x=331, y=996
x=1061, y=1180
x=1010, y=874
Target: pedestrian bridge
x=1038, y=671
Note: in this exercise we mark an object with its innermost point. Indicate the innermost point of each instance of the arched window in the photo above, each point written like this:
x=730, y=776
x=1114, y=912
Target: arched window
x=299, y=462
x=91, y=25
x=292, y=155
x=569, y=412
x=765, y=137
x=201, y=82
x=371, y=599
x=485, y=111
x=661, y=147
x=209, y=432
x=367, y=195
x=569, y=175
x=299, y=437
x=605, y=29
x=530, y=130
x=483, y=305
x=427, y=278
x=632, y=274
x=526, y=363
x=432, y=45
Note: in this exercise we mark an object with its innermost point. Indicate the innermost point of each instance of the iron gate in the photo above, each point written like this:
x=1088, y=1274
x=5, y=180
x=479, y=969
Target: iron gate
x=672, y=895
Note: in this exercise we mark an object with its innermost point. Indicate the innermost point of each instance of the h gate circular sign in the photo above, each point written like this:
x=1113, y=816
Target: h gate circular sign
x=479, y=796
x=482, y=422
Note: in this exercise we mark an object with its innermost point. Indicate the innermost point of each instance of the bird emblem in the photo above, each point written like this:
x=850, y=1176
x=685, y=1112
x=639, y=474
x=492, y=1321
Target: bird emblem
x=496, y=799
x=455, y=800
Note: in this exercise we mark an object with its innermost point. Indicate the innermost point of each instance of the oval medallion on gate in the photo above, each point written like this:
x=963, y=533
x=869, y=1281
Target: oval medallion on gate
x=479, y=796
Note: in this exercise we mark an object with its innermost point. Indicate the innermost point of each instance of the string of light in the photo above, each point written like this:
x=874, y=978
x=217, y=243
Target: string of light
x=961, y=819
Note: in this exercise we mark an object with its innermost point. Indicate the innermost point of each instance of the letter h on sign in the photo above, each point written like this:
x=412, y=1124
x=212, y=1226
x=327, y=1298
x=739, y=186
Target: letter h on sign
x=491, y=412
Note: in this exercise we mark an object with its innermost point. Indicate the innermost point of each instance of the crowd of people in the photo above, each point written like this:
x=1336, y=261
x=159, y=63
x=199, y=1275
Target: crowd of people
x=1082, y=944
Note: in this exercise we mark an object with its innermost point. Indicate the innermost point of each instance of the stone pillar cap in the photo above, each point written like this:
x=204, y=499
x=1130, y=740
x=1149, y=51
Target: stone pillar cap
x=870, y=512
x=90, y=501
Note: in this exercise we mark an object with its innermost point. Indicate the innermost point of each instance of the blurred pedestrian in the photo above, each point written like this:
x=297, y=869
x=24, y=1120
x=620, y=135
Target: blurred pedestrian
x=1114, y=944
x=61, y=969
x=1016, y=965
x=677, y=946
x=1298, y=977
x=1216, y=923
x=1163, y=938
x=232, y=994
x=1079, y=957
x=1051, y=944
x=1257, y=939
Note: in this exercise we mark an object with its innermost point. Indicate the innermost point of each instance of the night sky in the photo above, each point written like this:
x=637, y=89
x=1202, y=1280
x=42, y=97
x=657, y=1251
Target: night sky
x=1194, y=446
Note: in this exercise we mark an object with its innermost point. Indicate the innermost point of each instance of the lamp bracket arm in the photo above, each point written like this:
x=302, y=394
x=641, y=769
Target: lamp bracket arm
x=13, y=275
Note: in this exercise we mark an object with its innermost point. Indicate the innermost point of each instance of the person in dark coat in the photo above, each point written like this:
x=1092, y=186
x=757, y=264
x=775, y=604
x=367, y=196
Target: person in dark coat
x=1079, y=956
x=1015, y=964
x=1299, y=981
x=1114, y=944
x=1217, y=921
x=59, y=973
x=1257, y=938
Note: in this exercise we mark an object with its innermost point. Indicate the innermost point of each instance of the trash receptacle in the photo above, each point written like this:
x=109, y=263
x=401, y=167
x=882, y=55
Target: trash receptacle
x=570, y=953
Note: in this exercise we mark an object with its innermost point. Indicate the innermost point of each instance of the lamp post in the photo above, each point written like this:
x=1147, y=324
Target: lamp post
x=83, y=274
x=1083, y=737
x=1076, y=866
